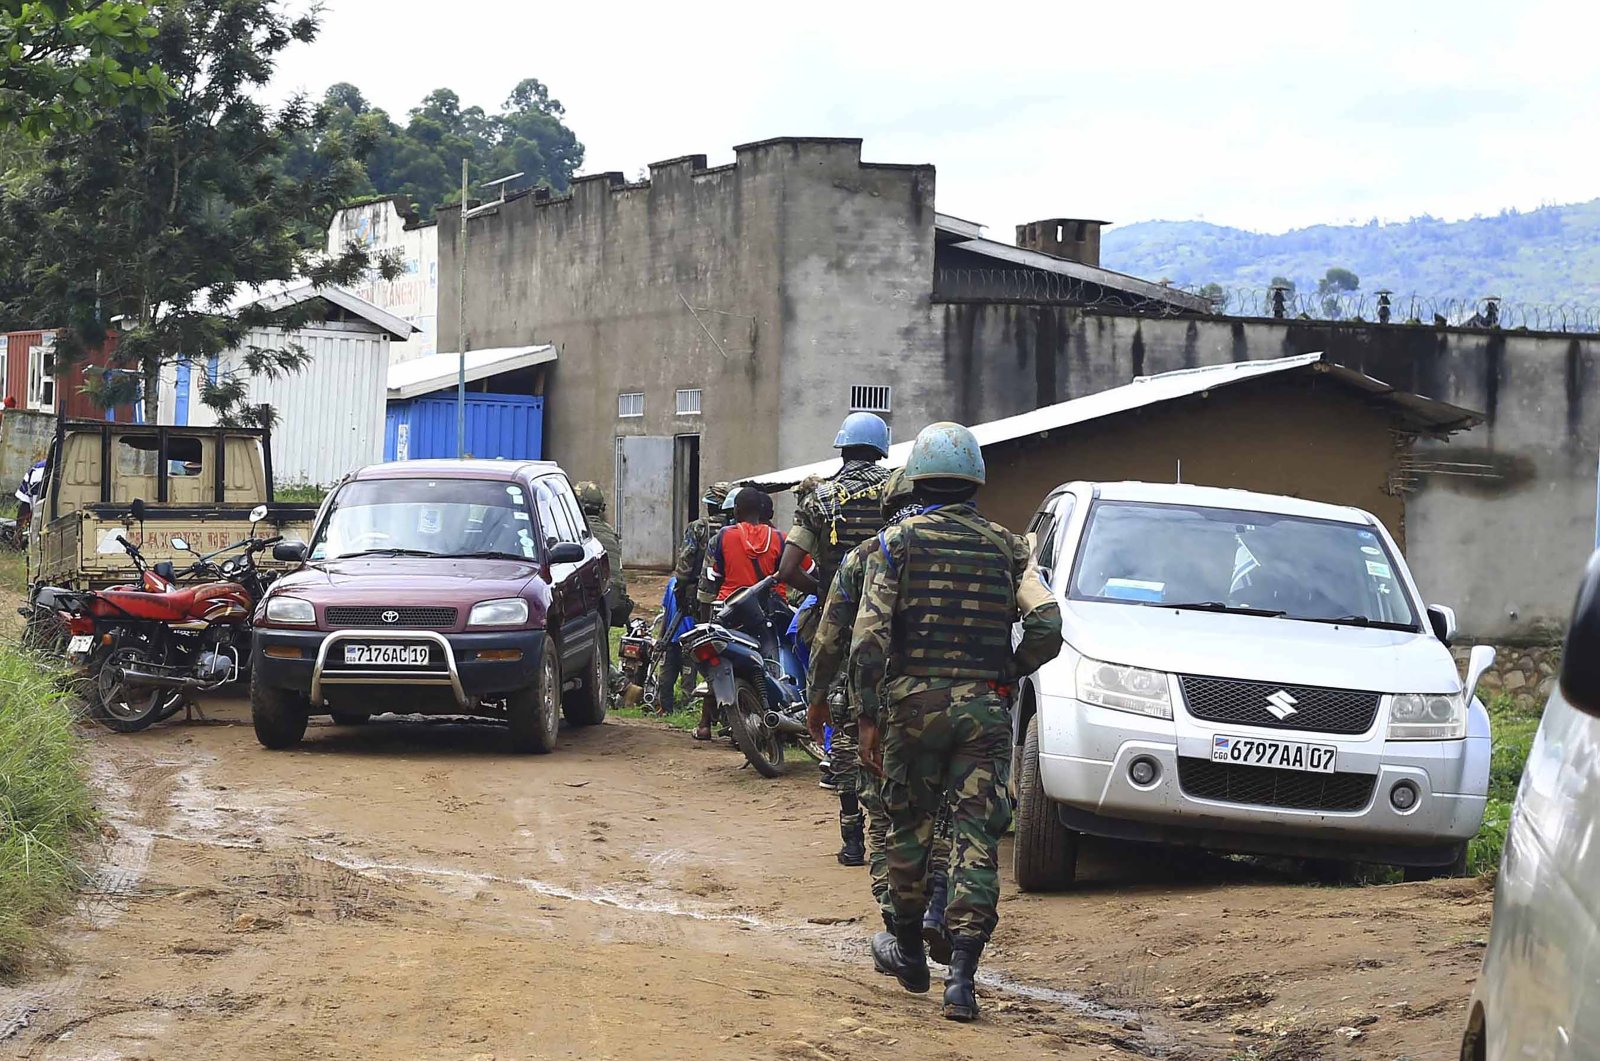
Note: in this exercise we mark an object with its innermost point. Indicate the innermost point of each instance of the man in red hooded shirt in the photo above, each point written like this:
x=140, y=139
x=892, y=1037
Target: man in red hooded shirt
x=746, y=550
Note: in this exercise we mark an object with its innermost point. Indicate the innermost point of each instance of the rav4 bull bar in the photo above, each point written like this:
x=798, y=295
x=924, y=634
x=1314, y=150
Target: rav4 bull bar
x=451, y=676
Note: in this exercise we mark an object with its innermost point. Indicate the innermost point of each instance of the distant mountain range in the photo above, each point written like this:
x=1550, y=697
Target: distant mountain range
x=1550, y=255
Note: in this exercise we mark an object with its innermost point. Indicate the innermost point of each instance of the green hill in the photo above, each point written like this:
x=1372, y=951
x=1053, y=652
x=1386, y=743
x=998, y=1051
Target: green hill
x=1547, y=256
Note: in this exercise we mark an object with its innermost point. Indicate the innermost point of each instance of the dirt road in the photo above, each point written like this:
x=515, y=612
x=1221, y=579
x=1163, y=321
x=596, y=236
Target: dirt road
x=409, y=889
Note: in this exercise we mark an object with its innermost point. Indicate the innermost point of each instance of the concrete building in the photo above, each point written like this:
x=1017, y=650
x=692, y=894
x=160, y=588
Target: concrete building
x=391, y=226
x=711, y=321
x=722, y=318
x=1302, y=426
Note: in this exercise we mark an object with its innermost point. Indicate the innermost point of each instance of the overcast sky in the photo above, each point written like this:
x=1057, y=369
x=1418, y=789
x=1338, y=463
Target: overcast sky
x=1266, y=116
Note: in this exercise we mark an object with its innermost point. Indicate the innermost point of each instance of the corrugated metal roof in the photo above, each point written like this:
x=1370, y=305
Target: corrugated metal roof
x=1426, y=414
x=424, y=375
x=280, y=293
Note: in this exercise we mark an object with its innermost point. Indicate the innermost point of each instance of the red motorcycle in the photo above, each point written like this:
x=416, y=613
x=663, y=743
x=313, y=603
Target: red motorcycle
x=149, y=649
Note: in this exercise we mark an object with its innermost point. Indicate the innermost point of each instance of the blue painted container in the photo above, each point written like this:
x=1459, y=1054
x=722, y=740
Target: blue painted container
x=508, y=426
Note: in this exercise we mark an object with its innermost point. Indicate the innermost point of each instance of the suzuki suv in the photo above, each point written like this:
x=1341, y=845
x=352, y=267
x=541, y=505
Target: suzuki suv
x=1247, y=673
x=438, y=587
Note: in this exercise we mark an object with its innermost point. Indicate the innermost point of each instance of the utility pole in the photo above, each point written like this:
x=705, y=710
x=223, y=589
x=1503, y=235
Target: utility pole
x=461, y=298
x=461, y=323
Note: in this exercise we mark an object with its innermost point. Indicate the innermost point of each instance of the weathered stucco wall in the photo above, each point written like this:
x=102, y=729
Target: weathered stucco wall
x=1327, y=444
x=1503, y=543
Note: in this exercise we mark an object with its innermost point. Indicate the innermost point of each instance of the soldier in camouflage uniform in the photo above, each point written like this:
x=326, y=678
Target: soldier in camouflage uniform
x=830, y=650
x=593, y=502
x=841, y=513
x=933, y=671
x=686, y=582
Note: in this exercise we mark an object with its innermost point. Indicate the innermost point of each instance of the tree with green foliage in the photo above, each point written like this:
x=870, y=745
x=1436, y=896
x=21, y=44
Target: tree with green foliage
x=422, y=159
x=151, y=222
x=64, y=61
x=1217, y=295
x=1283, y=282
x=1337, y=281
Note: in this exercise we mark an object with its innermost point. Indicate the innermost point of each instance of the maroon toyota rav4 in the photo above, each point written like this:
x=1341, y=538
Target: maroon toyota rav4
x=438, y=587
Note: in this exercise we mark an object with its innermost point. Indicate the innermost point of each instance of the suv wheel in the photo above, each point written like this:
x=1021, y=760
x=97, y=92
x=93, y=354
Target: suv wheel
x=1045, y=853
x=279, y=715
x=586, y=705
x=535, y=712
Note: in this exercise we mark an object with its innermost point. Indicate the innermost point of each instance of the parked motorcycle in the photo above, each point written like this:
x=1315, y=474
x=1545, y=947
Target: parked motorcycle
x=150, y=649
x=752, y=671
x=636, y=653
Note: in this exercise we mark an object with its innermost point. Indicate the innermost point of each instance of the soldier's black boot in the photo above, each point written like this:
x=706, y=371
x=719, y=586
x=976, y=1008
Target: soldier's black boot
x=933, y=931
x=854, y=851
x=900, y=954
x=960, y=993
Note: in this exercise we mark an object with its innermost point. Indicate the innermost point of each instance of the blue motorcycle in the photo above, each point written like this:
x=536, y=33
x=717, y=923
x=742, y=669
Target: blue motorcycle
x=747, y=656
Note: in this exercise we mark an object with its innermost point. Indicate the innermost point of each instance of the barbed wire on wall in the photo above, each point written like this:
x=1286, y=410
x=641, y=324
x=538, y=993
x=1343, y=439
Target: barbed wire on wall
x=1376, y=307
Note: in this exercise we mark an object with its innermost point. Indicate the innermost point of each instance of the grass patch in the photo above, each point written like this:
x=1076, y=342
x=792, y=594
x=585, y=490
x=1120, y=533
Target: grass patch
x=45, y=809
x=14, y=571
x=300, y=493
x=1512, y=731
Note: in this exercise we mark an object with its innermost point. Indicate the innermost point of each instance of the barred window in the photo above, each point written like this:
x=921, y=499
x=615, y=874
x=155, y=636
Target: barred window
x=869, y=399
x=630, y=404
x=689, y=402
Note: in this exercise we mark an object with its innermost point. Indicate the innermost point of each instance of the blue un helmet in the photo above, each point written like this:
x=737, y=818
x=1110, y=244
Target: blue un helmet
x=863, y=429
x=945, y=451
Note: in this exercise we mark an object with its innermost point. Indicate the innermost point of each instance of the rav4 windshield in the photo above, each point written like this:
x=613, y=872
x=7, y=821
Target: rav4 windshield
x=426, y=517
x=1225, y=560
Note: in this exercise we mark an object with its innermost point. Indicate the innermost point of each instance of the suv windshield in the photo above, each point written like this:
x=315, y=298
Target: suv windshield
x=426, y=517
x=1260, y=563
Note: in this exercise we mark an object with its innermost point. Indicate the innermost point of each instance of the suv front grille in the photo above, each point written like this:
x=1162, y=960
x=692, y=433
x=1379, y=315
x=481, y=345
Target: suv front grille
x=1264, y=786
x=1247, y=703
x=378, y=617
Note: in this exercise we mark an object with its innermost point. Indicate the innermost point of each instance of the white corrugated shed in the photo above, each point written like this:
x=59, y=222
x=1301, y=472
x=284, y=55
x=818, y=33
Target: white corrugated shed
x=330, y=413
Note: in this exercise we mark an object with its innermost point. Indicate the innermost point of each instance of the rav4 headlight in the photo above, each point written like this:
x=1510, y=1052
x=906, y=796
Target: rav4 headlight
x=512, y=611
x=1133, y=689
x=1428, y=716
x=290, y=610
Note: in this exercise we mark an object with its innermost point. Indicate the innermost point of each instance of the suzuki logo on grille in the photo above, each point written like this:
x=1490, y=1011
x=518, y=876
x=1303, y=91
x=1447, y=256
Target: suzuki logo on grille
x=392, y=616
x=1281, y=704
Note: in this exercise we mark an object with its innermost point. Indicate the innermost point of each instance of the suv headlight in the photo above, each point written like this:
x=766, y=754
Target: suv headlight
x=1143, y=692
x=512, y=611
x=1428, y=716
x=290, y=610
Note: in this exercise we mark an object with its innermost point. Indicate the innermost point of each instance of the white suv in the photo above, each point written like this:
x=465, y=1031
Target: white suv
x=1243, y=672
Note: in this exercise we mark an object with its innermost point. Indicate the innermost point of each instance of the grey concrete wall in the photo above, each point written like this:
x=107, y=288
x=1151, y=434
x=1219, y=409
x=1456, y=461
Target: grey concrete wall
x=25, y=438
x=811, y=270
x=1504, y=545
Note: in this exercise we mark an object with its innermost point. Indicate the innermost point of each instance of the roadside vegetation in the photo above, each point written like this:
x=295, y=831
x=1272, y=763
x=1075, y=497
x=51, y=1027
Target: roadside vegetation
x=1513, y=729
x=300, y=493
x=684, y=714
x=45, y=810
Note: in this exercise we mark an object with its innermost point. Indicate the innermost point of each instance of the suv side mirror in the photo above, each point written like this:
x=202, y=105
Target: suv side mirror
x=1580, y=656
x=568, y=553
x=290, y=552
x=1443, y=621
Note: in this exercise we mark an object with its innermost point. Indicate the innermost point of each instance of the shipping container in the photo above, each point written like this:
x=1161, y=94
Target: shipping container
x=508, y=426
x=33, y=378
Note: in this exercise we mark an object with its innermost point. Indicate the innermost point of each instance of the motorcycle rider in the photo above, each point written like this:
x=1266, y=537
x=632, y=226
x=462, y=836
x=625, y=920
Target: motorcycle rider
x=745, y=551
x=933, y=667
x=842, y=512
x=593, y=502
x=685, y=586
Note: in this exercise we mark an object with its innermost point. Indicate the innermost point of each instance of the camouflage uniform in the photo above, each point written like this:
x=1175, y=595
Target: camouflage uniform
x=829, y=653
x=593, y=502
x=841, y=513
x=932, y=662
x=685, y=585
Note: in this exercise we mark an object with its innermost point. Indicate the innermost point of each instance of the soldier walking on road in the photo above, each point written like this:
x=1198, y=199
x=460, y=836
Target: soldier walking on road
x=841, y=513
x=830, y=650
x=933, y=670
x=686, y=584
x=593, y=502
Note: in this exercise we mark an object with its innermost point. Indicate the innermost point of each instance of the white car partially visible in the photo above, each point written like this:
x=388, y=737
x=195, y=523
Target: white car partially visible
x=1247, y=673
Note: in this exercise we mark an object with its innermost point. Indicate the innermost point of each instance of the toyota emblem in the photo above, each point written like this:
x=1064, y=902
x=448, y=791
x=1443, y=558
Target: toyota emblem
x=390, y=616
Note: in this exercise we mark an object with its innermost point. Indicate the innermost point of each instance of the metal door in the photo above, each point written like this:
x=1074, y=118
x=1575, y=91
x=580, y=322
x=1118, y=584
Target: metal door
x=644, y=484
